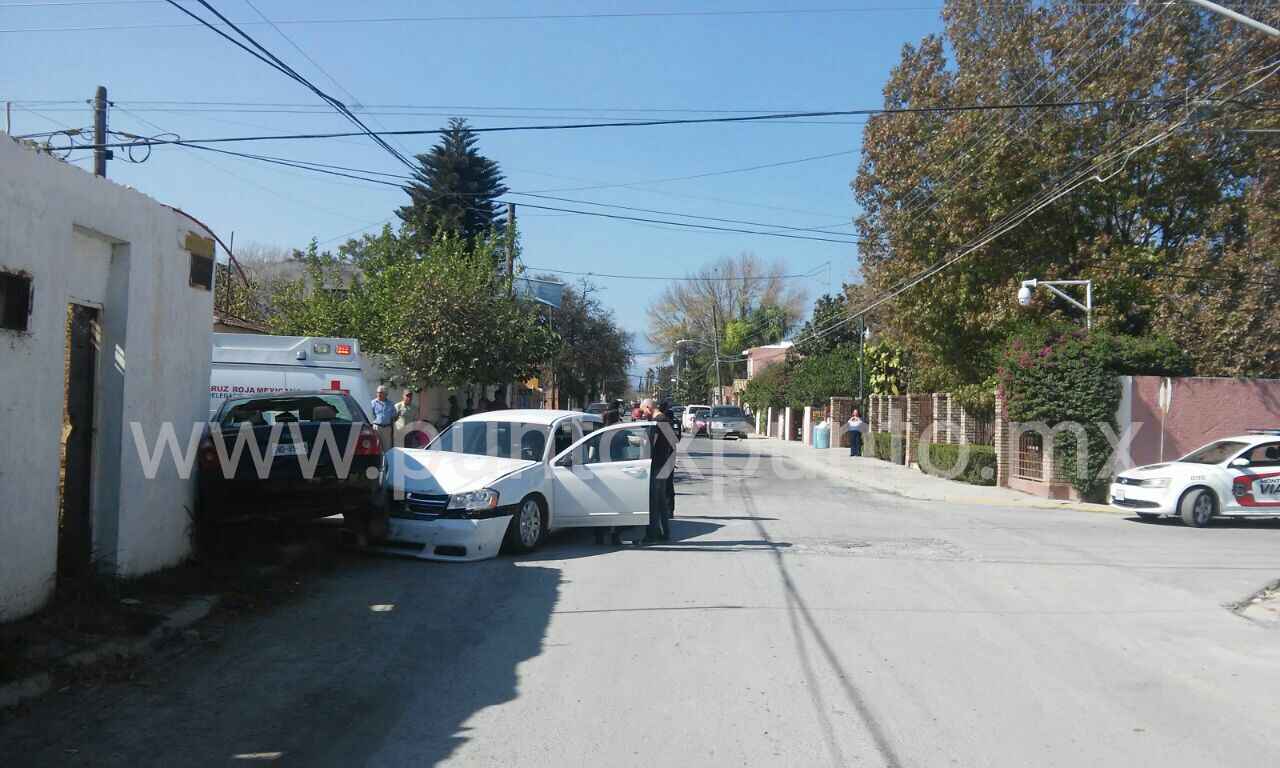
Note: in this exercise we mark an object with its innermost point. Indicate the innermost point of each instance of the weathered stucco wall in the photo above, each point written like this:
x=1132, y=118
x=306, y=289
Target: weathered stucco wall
x=1201, y=410
x=89, y=241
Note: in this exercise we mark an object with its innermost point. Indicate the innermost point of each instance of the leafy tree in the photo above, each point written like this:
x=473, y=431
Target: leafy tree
x=830, y=325
x=455, y=189
x=815, y=379
x=742, y=299
x=442, y=314
x=768, y=389
x=1179, y=240
x=592, y=352
x=884, y=369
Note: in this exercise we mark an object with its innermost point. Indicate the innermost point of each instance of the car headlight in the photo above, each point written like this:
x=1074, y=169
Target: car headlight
x=1155, y=482
x=717, y=424
x=474, y=501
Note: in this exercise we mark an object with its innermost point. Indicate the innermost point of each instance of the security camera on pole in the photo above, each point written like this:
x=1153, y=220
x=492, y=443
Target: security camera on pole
x=1029, y=286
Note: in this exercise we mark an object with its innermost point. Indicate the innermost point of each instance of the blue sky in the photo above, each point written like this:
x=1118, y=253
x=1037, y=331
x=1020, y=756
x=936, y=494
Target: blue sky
x=495, y=72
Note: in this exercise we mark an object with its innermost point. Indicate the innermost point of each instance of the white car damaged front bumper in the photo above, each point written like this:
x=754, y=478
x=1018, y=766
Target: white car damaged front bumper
x=456, y=539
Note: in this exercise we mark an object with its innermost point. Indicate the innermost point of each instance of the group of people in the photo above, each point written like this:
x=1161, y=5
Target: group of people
x=391, y=419
x=455, y=412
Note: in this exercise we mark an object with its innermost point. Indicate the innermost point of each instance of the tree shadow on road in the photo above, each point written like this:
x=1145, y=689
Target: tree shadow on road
x=384, y=662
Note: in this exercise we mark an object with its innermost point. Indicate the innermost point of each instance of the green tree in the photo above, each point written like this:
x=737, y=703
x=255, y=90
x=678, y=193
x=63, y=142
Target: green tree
x=455, y=189
x=441, y=314
x=592, y=353
x=1179, y=239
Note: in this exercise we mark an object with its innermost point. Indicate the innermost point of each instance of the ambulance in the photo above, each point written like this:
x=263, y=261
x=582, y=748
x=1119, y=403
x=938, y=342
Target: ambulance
x=246, y=364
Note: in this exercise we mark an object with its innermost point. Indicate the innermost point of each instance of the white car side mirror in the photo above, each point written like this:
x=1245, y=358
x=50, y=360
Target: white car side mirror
x=1240, y=462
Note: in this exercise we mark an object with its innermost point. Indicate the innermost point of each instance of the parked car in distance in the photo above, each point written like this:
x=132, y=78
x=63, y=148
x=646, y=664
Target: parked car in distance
x=506, y=479
x=307, y=455
x=1235, y=477
x=596, y=408
x=689, y=412
x=729, y=421
x=702, y=423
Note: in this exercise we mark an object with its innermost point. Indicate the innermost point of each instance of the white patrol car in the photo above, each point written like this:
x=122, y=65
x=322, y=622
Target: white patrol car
x=1233, y=477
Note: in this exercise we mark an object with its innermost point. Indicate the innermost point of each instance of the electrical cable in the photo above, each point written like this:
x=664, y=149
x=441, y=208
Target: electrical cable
x=680, y=121
x=271, y=60
x=1022, y=213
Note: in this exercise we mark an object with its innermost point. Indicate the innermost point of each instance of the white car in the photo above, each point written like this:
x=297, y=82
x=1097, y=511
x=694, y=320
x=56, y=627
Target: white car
x=509, y=478
x=686, y=419
x=1235, y=477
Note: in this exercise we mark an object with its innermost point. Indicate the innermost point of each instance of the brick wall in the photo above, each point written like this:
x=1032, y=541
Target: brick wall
x=1004, y=450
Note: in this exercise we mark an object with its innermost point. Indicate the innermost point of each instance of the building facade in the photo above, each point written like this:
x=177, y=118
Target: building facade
x=107, y=311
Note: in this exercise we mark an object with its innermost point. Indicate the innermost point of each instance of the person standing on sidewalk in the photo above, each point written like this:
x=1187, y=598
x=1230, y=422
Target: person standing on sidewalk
x=856, y=428
x=406, y=415
x=384, y=418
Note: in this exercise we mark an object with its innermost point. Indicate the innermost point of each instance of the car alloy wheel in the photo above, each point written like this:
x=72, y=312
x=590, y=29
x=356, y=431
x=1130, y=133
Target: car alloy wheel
x=1196, y=507
x=530, y=523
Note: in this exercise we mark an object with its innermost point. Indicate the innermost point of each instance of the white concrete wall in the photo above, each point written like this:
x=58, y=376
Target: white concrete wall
x=90, y=241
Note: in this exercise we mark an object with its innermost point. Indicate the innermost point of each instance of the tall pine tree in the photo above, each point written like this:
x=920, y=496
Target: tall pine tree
x=455, y=188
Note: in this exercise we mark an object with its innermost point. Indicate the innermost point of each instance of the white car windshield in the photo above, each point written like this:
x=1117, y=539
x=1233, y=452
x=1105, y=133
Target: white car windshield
x=727, y=412
x=1214, y=453
x=503, y=439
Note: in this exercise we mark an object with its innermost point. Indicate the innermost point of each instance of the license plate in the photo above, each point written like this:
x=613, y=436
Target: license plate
x=1117, y=493
x=290, y=449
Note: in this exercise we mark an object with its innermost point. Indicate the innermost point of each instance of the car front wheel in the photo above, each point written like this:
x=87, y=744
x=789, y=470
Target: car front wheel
x=528, y=526
x=1196, y=507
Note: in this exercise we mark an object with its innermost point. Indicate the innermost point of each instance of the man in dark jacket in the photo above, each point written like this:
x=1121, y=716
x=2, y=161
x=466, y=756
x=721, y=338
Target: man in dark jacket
x=665, y=409
x=661, y=457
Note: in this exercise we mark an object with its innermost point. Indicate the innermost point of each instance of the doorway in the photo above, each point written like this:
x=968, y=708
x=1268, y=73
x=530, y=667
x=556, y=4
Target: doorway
x=75, y=527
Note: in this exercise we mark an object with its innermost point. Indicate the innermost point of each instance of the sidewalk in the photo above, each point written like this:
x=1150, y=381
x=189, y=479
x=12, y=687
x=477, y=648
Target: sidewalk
x=897, y=480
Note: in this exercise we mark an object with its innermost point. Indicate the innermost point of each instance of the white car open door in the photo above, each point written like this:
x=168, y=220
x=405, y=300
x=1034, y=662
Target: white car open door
x=603, y=479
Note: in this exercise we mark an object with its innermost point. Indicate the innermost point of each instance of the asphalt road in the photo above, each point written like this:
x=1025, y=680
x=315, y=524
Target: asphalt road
x=793, y=622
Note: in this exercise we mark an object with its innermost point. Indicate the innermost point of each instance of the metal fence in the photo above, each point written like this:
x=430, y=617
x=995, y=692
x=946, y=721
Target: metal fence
x=1029, y=462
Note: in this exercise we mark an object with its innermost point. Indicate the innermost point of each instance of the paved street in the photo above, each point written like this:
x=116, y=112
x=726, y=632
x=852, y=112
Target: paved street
x=808, y=621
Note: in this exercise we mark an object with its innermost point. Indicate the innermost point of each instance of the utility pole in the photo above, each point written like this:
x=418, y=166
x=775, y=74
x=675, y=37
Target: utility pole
x=862, y=354
x=511, y=240
x=100, y=152
x=8, y=118
x=715, y=328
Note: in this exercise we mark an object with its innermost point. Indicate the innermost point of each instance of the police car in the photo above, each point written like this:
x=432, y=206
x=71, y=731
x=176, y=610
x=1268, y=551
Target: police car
x=1233, y=477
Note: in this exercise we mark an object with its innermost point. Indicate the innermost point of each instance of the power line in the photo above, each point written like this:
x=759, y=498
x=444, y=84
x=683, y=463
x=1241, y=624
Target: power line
x=1073, y=181
x=350, y=96
x=264, y=55
x=704, y=227
x=667, y=277
x=680, y=121
x=683, y=215
x=604, y=15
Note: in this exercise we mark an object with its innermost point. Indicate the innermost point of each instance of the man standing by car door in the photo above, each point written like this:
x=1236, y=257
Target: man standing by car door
x=661, y=452
x=384, y=418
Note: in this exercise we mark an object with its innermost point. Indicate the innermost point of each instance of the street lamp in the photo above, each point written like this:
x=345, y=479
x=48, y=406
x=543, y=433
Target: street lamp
x=863, y=338
x=1029, y=286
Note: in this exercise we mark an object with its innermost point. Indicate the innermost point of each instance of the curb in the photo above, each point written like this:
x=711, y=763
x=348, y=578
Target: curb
x=1030, y=501
x=38, y=684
